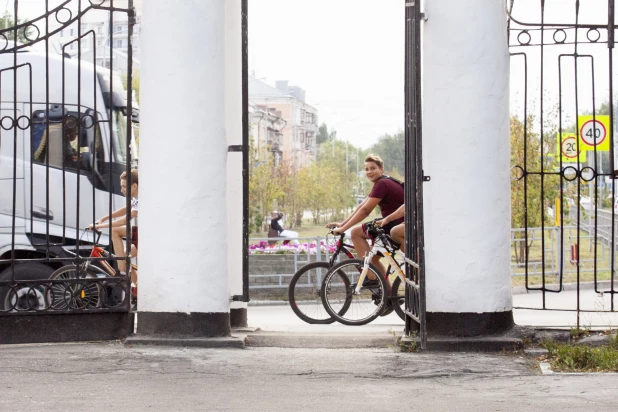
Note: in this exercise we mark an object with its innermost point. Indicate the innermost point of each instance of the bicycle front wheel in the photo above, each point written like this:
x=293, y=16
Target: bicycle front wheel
x=304, y=293
x=83, y=294
x=343, y=303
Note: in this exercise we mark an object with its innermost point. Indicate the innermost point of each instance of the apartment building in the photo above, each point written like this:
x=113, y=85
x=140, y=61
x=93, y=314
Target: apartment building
x=297, y=142
x=266, y=125
x=107, y=47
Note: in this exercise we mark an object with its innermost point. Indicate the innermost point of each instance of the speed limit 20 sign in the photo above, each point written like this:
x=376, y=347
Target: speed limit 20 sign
x=594, y=133
x=569, y=149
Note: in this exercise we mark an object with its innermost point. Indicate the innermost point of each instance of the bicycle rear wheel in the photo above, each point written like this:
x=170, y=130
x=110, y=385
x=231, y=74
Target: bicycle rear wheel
x=360, y=308
x=304, y=293
x=75, y=295
x=397, y=297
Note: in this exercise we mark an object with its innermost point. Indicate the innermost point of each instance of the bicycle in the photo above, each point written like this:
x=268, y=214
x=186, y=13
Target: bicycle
x=360, y=301
x=69, y=293
x=304, y=289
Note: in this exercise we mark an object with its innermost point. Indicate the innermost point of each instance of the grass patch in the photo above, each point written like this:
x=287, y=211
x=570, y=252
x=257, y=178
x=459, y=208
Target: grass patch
x=580, y=358
x=570, y=358
x=407, y=346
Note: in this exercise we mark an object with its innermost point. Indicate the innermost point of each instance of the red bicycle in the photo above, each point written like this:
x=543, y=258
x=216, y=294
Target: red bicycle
x=91, y=283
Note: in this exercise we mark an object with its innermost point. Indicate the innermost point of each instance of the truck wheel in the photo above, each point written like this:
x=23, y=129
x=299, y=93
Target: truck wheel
x=24, y=297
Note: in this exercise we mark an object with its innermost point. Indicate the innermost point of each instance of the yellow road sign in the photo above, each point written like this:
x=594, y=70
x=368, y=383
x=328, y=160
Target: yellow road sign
x=567, y=148
x=594, y=132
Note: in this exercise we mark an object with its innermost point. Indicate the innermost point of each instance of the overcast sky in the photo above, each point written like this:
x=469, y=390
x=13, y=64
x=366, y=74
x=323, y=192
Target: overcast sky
x=348, y=55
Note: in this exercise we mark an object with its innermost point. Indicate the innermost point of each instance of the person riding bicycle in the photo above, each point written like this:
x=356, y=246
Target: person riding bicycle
x=118, y=225
x=387, y=193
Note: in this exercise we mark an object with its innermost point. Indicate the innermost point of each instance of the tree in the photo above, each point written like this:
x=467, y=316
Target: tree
x=7, y=21
x=323, y=135
x=531, y=191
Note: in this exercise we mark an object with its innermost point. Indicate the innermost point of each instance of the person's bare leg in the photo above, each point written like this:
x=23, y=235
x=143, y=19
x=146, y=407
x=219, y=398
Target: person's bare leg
x=398, y=234
x=117, y=234
x=359, y=239
x=133, y=270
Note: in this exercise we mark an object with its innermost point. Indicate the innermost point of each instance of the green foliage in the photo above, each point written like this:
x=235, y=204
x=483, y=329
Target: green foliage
x=408, y=345
x=7, y=21
x=564, y=357
x=528, y=206
x=323, y=134
x=324, y=188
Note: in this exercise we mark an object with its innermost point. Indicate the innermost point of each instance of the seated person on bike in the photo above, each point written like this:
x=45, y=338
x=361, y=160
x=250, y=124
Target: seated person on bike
x=398, y=233
x=118, y=225
x=386, y=193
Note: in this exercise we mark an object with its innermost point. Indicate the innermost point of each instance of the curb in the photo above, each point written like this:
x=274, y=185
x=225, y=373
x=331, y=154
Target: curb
x=474, y=344
x=317, y=341
x=373, y=341
x=521, y=290
x=231, y=342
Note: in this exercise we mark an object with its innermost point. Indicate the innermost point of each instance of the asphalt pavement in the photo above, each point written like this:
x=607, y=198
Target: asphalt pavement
x=113, y=376
x=116, y=376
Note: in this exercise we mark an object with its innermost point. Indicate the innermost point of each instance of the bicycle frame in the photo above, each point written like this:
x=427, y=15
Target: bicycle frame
x=380, y=248
x=99, y=252
x=341, y=247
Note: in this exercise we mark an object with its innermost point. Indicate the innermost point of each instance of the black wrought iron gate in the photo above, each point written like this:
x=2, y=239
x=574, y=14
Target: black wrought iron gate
x=563, y=154
x=67, y=111
x=415, y=249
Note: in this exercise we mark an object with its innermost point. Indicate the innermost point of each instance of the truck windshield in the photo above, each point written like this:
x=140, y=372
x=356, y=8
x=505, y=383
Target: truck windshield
x=119, y=135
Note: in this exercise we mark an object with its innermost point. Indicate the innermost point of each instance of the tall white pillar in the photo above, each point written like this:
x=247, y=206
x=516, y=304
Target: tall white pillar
x=466, y=152
x=233, y=131
x=183, y=285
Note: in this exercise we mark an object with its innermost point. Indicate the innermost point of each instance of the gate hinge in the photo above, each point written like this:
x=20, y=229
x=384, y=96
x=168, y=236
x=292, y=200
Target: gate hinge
x=234, y=148
x=426, y=178
x=131, y=15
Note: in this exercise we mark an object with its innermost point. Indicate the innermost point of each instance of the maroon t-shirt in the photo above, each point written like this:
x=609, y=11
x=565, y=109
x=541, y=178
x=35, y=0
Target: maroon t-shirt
x=391, y=196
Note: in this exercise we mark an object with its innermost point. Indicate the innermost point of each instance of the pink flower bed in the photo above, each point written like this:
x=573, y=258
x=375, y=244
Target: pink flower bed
x=263, y=248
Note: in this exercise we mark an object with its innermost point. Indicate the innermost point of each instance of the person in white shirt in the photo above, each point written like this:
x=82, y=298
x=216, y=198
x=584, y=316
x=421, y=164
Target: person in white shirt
x=117, y=221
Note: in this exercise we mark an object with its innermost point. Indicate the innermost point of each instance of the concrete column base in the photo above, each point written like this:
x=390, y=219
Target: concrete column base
x=238, y=317
x=183, y=325
x=468, y=324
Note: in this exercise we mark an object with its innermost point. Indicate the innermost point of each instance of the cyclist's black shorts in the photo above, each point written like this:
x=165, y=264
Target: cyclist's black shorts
x=387, y=228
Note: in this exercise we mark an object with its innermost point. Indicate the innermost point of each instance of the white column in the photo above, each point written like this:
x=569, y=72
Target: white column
x=466, y=152
x=233, y=131
x=183, y=285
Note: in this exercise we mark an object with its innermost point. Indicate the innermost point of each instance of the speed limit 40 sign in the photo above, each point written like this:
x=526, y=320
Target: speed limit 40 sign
x=594, y=133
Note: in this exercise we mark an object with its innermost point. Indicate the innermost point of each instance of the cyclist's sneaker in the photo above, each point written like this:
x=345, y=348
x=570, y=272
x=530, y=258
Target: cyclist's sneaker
x=388, y=309
x=371, y=283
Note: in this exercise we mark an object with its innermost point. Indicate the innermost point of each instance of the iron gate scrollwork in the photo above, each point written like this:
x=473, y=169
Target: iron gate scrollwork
x=563, y=154
x=67, y=113
x=415, y=252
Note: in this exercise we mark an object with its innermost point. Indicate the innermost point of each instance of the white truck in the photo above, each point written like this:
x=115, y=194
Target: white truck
x=43, y=199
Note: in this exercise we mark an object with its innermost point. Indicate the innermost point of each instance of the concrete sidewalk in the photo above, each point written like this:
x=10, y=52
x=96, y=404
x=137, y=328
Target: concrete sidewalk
x=112, y=376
